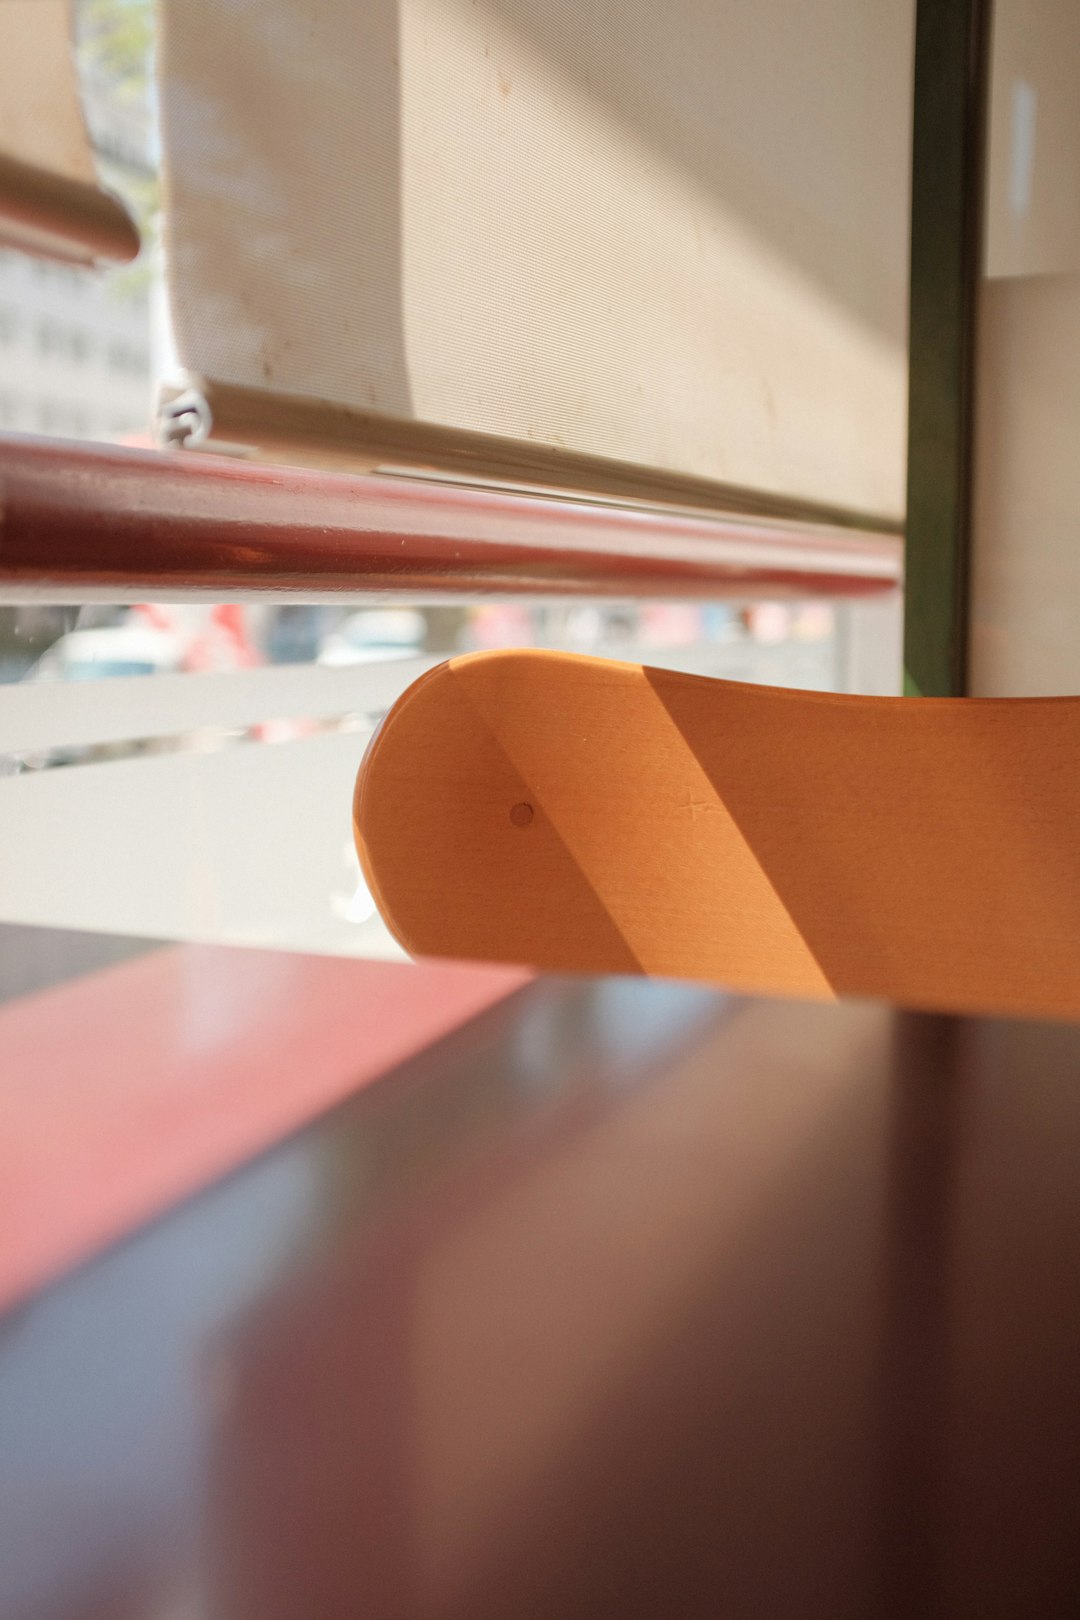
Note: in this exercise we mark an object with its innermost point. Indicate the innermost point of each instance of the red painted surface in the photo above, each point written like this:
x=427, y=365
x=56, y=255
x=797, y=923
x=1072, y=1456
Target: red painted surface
x=102, y=517
x=128, y=1089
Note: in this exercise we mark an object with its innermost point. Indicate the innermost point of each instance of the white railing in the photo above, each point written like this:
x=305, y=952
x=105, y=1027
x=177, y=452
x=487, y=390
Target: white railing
x=153, y=805
x=35, y=715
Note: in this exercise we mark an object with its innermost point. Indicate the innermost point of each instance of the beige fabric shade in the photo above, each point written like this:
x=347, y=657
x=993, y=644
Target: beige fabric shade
x=658, y=251
x=50, y=199
x=1026, y=494
x=1033, y=145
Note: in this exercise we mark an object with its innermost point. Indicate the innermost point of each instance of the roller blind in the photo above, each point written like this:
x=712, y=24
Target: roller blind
x=50, y=200
x=646, y=250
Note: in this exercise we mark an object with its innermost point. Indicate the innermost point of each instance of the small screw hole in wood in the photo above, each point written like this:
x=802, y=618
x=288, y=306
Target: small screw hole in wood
x=521, y=815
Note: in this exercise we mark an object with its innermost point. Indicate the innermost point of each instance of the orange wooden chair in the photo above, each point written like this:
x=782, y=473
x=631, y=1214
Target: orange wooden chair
x=580, y=815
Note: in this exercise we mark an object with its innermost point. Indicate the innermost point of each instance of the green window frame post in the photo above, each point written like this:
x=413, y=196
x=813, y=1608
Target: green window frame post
x=948, y=140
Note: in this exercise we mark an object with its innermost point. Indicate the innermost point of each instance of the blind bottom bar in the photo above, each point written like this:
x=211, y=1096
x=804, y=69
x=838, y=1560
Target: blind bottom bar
x=60, y=218
x=314, y=432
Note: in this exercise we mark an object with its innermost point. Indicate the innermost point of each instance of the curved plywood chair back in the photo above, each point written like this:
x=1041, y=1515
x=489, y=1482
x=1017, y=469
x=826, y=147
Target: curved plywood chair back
x=580, y=815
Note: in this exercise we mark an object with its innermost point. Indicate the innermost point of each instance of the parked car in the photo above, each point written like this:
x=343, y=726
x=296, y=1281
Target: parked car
x=375, y=634
x=123, y=649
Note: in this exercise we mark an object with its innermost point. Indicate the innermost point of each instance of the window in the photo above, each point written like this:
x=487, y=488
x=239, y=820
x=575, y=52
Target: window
x=252, y=717
x=124, y=357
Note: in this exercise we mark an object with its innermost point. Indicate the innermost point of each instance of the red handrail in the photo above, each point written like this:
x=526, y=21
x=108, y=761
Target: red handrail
x=77, y=518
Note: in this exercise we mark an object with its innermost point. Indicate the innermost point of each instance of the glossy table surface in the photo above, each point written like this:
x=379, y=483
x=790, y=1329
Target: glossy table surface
x=620, y=1299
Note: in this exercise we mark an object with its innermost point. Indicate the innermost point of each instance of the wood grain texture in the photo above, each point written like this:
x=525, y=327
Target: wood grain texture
x=924, y=851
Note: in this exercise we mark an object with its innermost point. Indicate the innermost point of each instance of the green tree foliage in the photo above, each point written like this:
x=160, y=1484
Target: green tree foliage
x=115, y=51
x=116, y=39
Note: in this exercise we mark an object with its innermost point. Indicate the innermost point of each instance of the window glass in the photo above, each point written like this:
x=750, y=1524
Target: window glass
x=83, y=347
x=187, y=771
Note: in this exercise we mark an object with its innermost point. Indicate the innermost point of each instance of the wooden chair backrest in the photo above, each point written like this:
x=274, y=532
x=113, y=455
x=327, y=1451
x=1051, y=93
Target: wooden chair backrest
x=581, y=815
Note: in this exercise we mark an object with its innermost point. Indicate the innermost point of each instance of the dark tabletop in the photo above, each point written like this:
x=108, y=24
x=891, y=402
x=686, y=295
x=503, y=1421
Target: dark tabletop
x=624, y=1299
